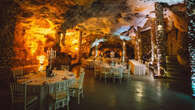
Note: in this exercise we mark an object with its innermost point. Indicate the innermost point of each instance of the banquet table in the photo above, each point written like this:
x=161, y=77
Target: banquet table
x=137, y=68
x=112, y=68
x=38, y=83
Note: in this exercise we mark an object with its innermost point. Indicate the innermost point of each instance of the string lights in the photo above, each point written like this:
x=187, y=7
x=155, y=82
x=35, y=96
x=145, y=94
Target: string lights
x=191, y=35
x=160, y=37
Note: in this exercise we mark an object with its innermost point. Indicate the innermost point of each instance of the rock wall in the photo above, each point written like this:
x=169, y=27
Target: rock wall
x=9, y=10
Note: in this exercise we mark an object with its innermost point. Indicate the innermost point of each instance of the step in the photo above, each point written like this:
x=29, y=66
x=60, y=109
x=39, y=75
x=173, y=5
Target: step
x=173, y=66
x=176, y=76
x=175, y=70
x=176, y=73
x=172, y=63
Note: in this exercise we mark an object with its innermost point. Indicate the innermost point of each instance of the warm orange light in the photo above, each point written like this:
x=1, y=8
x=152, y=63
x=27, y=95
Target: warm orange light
x=72, y=41
x=41, y=59
x=41, y=68
x=75, y=41
x=35, y=33
x=76, y=48
x=32, y=46
x=38, y=34
x=70, y=33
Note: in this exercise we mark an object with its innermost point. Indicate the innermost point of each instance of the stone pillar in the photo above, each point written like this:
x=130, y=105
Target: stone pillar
x=191, y=33
x=138, y=43
x=124, y=52
x=138, y=46
x=160, y=37
x=96, y=51
x=152, y=40
x=59, y=36
x=191, y=36
x=63, y=38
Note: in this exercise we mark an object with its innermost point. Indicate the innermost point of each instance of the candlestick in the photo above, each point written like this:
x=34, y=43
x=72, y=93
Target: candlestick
x=51, y=54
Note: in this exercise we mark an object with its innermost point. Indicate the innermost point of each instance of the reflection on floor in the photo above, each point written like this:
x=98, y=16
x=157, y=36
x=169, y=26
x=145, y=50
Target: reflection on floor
x=138, y=93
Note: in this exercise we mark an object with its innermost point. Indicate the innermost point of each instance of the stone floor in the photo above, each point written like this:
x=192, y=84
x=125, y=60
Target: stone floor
x=137, y=93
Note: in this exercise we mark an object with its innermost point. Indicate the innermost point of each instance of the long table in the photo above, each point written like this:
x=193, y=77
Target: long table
x=137, y=68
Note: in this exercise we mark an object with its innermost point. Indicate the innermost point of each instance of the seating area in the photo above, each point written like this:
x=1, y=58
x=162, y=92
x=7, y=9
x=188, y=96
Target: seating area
x=37, y=91
x=97, y=54
x=56, y=92
x=76, y=89
x=21, y=97
x=114, y=71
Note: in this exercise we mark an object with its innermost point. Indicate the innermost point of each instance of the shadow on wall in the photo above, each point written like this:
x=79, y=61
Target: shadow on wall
x=62, y=59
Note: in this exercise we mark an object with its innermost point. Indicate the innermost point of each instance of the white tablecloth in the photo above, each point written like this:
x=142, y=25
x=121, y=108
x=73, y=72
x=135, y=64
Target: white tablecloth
x=40, y=78
x=137, y=68
x=111, y=68
x=37, y=83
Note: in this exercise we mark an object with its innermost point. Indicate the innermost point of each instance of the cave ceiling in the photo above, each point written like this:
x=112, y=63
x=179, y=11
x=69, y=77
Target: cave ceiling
x=95, y=18
x=101, y=16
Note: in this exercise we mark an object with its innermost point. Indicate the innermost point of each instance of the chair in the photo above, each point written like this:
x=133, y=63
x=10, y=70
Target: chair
x=77, y=87
x=91, y=65
x=127, y=72
x=105, y=73
x=19, y=96
x=65, y=67
x=59, y=95
x=18, y=73
x=82, y=69
x=117, y=74
x=96, y=70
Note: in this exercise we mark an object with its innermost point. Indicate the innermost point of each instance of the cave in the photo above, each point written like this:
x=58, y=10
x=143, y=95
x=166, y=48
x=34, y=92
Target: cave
x=148, y=39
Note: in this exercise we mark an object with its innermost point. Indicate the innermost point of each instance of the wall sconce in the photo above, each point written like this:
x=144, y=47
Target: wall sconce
x=160, y=27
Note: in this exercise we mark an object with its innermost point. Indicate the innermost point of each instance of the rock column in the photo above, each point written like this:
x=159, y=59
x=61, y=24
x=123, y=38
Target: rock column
x=160, y=38
x=191, y=33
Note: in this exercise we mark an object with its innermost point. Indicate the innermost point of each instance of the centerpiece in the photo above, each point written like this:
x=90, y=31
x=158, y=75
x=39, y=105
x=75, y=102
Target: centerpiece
x=112, y=55
x=51, y=54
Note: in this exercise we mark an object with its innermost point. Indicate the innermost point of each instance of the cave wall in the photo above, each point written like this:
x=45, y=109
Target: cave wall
x=172, y=43
x=177, y=46
x=146, y=44
x=9, y=10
